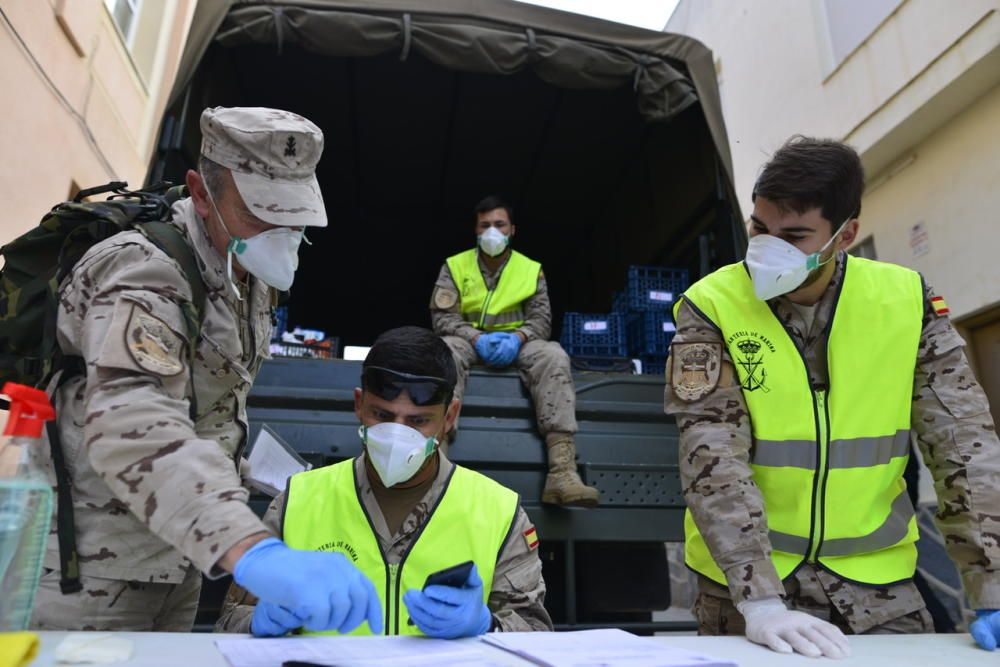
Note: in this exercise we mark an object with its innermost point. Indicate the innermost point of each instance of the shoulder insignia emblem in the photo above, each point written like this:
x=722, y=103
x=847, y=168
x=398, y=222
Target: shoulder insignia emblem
x=445, y=299
x=940, y=307
x=696, y=369
x=531, y=538
x=153, y=345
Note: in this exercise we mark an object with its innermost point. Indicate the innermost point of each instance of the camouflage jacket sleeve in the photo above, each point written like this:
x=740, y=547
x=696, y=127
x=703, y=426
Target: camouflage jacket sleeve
x=237, y=608
x=958, y=440
x=538, y=313
x=446, y=309
x=123, y=307
x=714, y=451
x=517, y=600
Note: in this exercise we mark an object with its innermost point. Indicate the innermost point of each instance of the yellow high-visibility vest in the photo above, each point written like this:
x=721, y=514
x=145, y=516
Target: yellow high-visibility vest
x=500, y=309
x=471, y=521
x=828, y=460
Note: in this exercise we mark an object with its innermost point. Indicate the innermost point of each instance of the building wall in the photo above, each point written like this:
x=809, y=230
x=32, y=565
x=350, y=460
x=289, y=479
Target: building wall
x=83, y=107
x=951, y=183
x=917, y=98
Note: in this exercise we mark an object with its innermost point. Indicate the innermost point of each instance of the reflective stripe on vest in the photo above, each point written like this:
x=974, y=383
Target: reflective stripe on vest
x=851, y=453
x=500, y=309
x=471, y=521
x=828, y=460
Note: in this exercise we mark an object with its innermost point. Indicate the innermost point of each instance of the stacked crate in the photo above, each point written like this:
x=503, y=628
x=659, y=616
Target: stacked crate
x=594, y=340
x=646, y=306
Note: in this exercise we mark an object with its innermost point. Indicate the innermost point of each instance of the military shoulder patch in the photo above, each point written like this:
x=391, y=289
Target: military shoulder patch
x=696, y=368
x=152, y=344
x=940, y=307
x=531, y=538
x=445, y=299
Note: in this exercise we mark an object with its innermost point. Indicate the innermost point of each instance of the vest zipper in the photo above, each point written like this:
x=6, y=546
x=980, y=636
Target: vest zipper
x=486, y=305
x=819, y=489
x=392, y=598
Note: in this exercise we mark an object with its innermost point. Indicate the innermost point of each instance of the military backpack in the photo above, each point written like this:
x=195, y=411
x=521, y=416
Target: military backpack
x=36, y=264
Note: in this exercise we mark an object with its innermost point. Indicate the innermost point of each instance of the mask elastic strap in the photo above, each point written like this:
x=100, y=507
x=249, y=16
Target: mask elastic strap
x=234, y=242
x=813, y=261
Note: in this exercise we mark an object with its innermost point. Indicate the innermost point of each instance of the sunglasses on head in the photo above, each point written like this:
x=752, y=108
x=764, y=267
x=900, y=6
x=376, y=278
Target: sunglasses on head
x=388, y=384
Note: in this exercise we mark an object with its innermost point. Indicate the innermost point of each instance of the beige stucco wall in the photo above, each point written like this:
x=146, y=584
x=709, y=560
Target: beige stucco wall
x=918, y=99
x=105, y=130
x=952, y=185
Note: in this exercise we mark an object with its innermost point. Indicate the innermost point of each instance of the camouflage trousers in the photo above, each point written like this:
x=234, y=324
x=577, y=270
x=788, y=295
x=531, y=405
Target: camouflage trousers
x=544, y=370
x=114, y=605
x=717, y=615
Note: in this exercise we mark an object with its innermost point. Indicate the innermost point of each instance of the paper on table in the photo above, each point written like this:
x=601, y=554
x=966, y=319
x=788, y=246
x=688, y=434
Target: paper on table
x=598, y=648
x=353, y=652
x=272, y=461
x=93, y=647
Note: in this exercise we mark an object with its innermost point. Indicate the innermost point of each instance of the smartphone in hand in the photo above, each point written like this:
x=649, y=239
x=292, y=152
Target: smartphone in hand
x=454, y=576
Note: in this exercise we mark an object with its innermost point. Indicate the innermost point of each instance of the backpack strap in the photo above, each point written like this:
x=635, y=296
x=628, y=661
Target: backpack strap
x=170, y=240
x=69, y=557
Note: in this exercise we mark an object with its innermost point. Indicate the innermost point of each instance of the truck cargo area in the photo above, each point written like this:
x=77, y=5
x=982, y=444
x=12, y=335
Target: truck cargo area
x=411, y=147
x=609, y=143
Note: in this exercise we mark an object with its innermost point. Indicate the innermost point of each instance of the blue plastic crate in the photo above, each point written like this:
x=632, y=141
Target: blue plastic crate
x=653, y=364
x=619, y=304
x=594, y=334
x=650, y=332
x=654, y=287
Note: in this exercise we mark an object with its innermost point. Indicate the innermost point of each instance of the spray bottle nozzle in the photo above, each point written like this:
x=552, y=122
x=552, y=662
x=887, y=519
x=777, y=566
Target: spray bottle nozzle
x=30, y=408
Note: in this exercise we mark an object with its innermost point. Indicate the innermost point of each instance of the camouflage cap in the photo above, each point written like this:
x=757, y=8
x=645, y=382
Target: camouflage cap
x=272, y=155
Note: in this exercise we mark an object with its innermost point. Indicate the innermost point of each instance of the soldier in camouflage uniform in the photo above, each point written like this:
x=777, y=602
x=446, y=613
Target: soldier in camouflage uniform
x=157, y=497
x=400, y=513
x=708, y=395
x=543, y=364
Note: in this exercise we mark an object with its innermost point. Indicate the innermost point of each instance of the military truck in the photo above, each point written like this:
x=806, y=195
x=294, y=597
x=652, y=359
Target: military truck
x=609, y=142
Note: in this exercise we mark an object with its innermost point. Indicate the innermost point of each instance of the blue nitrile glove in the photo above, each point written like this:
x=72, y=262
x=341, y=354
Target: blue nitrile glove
x=986, y=629
x=271, y=620
x=510, y=345
x=486, y=346
x=325, y=589
x=445, y=612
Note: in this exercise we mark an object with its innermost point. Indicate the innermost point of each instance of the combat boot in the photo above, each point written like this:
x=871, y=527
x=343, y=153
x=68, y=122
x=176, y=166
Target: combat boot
x=563, y=485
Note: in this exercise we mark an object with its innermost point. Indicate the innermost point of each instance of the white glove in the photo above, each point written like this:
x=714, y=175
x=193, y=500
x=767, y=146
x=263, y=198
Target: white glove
x=770, y=623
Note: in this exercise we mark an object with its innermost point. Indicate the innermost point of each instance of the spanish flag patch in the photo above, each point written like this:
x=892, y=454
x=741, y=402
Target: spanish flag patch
x=940, y=307
x=531, y=538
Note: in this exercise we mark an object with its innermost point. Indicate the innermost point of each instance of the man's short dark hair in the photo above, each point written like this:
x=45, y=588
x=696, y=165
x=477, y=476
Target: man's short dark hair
x=807, y=173
x=214, y=175
x=493, y=202
x=416, y=351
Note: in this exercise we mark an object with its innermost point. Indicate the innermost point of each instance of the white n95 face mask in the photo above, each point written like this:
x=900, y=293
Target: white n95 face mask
x=272, y=256
x=396, y=451
x=493, y=242
x=777, y=267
